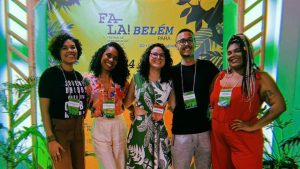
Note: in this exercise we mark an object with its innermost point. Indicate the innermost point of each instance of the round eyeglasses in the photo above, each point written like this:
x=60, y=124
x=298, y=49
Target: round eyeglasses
x=184, y=41
x=157, y=55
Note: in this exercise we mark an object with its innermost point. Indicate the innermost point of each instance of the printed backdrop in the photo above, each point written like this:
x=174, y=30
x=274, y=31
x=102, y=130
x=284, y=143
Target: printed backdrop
x=135, y=24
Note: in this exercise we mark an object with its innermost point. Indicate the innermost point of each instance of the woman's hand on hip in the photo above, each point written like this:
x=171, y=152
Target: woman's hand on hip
x=239, y=125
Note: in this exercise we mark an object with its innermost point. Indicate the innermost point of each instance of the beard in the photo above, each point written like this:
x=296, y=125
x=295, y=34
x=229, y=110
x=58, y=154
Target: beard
x=187, y=54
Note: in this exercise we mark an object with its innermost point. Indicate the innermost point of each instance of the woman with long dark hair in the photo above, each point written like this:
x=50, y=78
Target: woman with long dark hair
x=106, y=89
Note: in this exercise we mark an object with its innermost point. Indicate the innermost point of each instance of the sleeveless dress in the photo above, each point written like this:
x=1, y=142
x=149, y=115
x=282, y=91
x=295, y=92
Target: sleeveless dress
x=235, y=149
x=148, y=143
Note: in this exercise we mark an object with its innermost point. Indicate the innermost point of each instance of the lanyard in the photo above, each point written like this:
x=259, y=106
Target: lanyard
x=66, y=78
x=194, y=77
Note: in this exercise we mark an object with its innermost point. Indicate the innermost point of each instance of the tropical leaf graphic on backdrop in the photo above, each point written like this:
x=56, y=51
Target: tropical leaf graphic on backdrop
x=209, y=40
x=64, y=4
x=213, y=17
x=204, y=41
x=55, y=28
x=194, y=13
x=207, y=48
x=215, y=57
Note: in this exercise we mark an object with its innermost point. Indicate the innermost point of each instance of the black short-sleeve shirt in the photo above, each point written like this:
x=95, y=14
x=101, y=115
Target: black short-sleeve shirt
x=59, y=89
x=192, y=121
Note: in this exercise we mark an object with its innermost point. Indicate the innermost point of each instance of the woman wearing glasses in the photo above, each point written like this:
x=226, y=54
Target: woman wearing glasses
x=150, y=88
x=106, y=90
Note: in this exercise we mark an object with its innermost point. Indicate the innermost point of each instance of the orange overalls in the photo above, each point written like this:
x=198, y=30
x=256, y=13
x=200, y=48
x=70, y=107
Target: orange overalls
x=235, y=149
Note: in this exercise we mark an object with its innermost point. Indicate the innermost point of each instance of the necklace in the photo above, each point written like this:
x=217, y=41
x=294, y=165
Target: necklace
x=104, y=82
x=235, y=82
x=228, y=75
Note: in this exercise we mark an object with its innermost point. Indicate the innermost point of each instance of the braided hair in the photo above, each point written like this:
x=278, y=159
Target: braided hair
x=249, y=67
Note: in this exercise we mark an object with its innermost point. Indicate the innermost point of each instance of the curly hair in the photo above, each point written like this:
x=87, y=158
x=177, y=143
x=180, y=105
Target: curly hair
x=120, y=73
x=57, y=43
x=144, y=66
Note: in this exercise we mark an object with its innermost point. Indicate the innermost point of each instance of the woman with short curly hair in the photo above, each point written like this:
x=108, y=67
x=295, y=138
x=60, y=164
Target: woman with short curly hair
x=106, y=88
x=63, y=101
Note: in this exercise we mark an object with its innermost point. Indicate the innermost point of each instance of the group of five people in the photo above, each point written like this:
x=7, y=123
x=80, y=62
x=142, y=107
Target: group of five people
x=231, y=139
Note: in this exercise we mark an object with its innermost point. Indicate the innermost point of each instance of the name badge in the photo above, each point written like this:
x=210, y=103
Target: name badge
x=158, y=109
x=224, y=98
x=73, y=107
x=108, y=109
x=189, y=99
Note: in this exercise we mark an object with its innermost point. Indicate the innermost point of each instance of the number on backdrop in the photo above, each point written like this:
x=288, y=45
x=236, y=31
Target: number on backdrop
x=131, y=64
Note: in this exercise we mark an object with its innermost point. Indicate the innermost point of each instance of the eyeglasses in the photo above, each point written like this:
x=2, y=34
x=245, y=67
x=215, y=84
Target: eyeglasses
x=184, y=41
x=157, y=55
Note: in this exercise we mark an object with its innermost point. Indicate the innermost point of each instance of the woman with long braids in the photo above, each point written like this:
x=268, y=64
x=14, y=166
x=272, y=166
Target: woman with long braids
x=236, y=98
x=106, y=88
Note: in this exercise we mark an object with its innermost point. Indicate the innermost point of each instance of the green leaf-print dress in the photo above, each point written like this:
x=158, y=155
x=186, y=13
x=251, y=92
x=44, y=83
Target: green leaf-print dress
x=148, y=143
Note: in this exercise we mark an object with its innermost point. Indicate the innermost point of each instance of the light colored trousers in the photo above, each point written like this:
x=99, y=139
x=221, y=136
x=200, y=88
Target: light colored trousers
x=184, y=147
x=109, y=140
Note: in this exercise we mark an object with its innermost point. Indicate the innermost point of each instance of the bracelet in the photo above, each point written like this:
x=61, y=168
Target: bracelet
x=51, y=138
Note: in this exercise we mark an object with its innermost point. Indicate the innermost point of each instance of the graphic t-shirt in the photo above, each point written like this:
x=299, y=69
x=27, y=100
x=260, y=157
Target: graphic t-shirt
x=60, y=90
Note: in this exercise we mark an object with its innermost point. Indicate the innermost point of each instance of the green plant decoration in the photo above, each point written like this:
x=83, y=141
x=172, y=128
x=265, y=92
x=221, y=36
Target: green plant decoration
x=286, y=152
x=13, y=147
